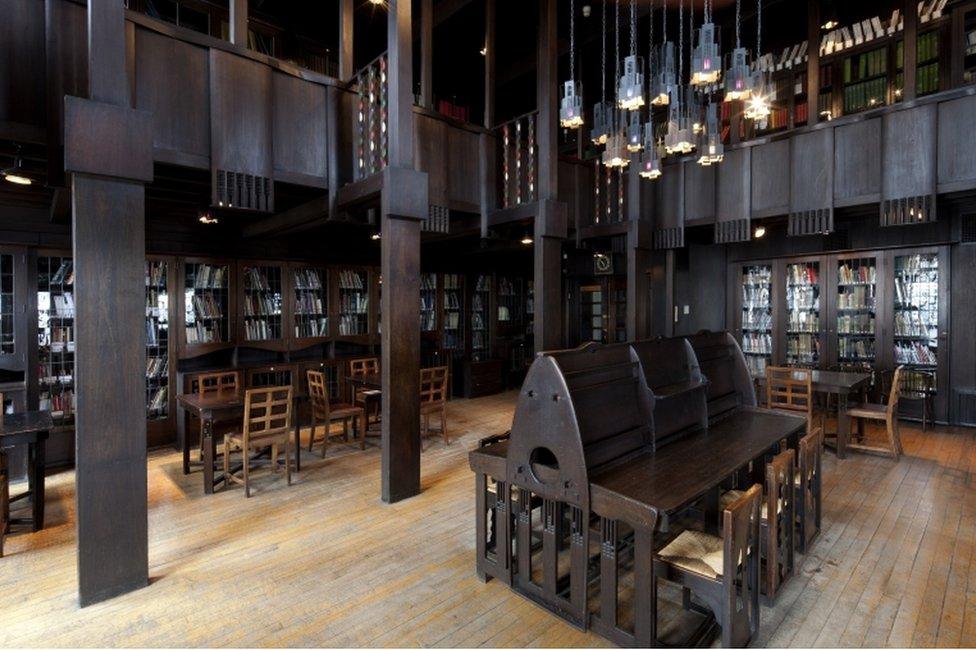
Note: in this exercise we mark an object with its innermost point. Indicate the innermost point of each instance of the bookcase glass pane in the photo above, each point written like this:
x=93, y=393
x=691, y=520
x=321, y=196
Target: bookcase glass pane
x=157, y=341
x=620, y=313
x=480, y=318
x=803, y=314
x=453, y=312
x=856, y=312
x=428, y=302
x=311, y=303
x=206, y=306
x=55, y=337
x=592, y=315
x=757, y=317
x=6, y=304
x=262, y=303
x=969, y=51
x=916, y=337
x=353, y=303
x=509, y=302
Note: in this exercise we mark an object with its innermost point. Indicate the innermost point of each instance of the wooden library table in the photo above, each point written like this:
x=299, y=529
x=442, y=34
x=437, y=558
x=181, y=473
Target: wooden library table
x=29, y=428
x=372, y=382
x=842, y=384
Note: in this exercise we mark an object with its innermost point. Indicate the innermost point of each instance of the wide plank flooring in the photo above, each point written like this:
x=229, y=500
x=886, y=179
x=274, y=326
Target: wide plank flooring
x=325, y=562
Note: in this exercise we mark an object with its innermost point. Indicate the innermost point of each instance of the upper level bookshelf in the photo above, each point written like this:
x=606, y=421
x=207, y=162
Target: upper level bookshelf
x=310, y=311
x=353, y=302
x=207, y=308
x=261, y=293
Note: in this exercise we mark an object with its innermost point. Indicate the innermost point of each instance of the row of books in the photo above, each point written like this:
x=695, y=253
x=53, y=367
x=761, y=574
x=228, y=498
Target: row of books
x=505, y=287
x=856, y=297
x=428, y=282
x=65, y=273
x=428, y=302
x=313, y=327
x=911, y=265
x=308, y=279
x=778, y=118
x=156, y=334
x=478, y=341
x=428, y=322
x=256, y=304
x=351, y=280
x=207, y=305
x=803, y=322
x=803, y=346
x=64, y=305
x=60, y=406
x=478, y=303
x=478, y=321
x=912, y=323
x=158, y=404
x=754, y=343
x=261, y=329
x=757, y=320
x=927, y=78
x=157, y=367
x=483, y=283
x=755, y=297
x=802, y=274
x=803, y=298
x=452, y=301
x=452, y=320
x=855, y=348
x=255, y=279
x=864, y=95
x=352, y=325
x=757, y=365
x=60, y=380
x=309, y=303
x=207, y=276
x=866, y=65
x=354, y=303
x=914, y=353
x=156, y=274
x=61, y=339
x=855, y=324
x=204, y=333
x=453, y=341
x=452, y=281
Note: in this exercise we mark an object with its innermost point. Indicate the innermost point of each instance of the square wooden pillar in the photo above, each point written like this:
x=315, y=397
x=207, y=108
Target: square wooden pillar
x=547, y=252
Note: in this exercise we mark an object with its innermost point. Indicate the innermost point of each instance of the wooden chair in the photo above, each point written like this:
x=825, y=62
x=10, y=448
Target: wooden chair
x=722, y=571
x=433, y=397
x=809, y=484
x=916, y=386
x=216, y=384
x=887, y=413
x=790, y=390
x=777, y=542
x=324, y=413
x=366, y=398
x=267, y=423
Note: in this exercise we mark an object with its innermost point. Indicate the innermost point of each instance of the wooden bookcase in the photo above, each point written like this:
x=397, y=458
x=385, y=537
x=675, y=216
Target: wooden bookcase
x=207, y=303
x=264, y=312
x=355, y=295
x=161, y=288
x=309, y=291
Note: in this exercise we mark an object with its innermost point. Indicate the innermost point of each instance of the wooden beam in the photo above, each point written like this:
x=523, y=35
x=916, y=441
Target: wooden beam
x=448, y=8
x=400, y=85
x=315, y=210
x=107, y=78
x=489, y=63
x=813, y=61
x=346, y=39
x=238, y=22
x=547, y=258
x=426, y=53
x=910, y=36
x=547, y=101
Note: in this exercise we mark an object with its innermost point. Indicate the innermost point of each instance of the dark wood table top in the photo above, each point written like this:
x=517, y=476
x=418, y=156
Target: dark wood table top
x=374, y=380
x=835, y=380
x=200, y=403
x=26, y=422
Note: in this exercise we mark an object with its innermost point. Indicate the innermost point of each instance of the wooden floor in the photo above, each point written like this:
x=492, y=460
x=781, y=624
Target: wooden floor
x=326, y=563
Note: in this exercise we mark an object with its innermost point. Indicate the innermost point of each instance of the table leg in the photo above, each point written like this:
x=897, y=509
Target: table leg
x=645, y=595
x=209, y=453
x=298, y=435
x=184, y=442
x=35, y=480
x=843, y=425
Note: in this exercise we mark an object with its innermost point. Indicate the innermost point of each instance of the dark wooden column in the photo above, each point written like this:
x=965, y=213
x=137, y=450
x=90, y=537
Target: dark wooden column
x=813, y=61
x=550, y=221
x=638, y=258
x=910, y=11
x=238, y=22
x=108, y=154
x=487, y=161
x=489, y=63
x=426, y=53
x=346, y=9
x=404, y=205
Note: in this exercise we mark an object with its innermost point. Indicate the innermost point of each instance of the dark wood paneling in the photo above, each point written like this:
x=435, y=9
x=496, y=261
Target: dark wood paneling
x=462, y=169
x=771, y=179
x=107, y=139
x=430, y=147
x=957, y=145
x=962, y=364
x=240, y=114
x=811, y=168
x=172, y=83
x=669, y=204
x=22, y=62
x=300, y=135
x=699, y=193
x=857, y=163
x=909, y=143
x=734, y=186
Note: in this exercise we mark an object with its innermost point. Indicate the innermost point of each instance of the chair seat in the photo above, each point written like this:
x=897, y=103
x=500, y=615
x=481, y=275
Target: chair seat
x=697, y=552
x=728, y=498
x=344, y=410
x=869, y=411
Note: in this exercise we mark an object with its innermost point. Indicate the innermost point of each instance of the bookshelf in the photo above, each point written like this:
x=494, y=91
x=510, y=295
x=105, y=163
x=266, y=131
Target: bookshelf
x=428, y=302
x=157, y=340
x=619, y=293
x=353, y=297
x=7, y=333
x=856, y=312
x=803, y=344
x=865, y=80
x=261, y=304
x=55, y=337
x=453, y=320
x=756, y=316
x=593, y=316
x=916, y=319
x=310, y=309
x=481, y=319
x=207, y=307
x=969, y=46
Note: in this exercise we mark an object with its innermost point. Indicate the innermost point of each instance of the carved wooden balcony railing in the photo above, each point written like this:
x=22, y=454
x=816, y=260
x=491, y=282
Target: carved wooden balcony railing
x=371, y=118
x=518, y=160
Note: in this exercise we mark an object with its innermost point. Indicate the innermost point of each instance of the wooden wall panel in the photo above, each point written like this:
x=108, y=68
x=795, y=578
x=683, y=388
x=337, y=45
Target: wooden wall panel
x=957, y=145
x=909, y=143
x=240, y=114
x=733, y=185
x=669, y=204
x=300, y=132
x=430, y=155
x=857, y=163
x=462, y=169
x=67, y=60
x=811, y=169
x=172, y=82
x=699, y=193
x=22, y=62
x=771, y=179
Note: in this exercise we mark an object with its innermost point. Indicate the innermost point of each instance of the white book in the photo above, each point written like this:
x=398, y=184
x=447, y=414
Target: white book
x=824, y=41
x=802, y=54
x=867, y=30
x=893, y=22
x=848, y=37
x=925, y=11
x=878, y=29
x=939, y=6
x=858, y=34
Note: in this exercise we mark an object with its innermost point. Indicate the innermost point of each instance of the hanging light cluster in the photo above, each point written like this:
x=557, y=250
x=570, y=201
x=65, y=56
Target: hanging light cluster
x=706, y=60
x=758, y=106
x=571, y=104
x=650, y=160
x=616, y=154
x=630, y=86
x=604, y=113
x=738, y=77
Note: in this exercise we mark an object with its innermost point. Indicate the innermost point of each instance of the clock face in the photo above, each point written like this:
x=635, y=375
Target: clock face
x=602, y=263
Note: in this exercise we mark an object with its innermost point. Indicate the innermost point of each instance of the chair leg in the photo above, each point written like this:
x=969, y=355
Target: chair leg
x=247, y=476
x=226, y=463
x=325, y=438
x=274, y=458
x=288, y=460
x=444, y=426
x=361, y=423
x=311, y=437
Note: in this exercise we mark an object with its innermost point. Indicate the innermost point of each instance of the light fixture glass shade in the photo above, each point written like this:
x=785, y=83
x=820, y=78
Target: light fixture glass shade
x=650, y=160
x=664, y=76
x=738, y=76
x=616, y=155
x=679, y=138
x=630, y=86
x=706, y=60
x=635, y=141
x=758, y=106
x=571, y=106
x=604, y=119
x=710, y=148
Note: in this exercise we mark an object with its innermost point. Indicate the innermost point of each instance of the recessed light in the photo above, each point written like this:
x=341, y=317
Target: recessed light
x=759, y=232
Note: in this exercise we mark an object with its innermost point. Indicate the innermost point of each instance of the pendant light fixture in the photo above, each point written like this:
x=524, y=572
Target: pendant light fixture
x=571, y=105
x=616, y=154
x=758, y=108
x=706, y=61
x=663, y=76
x=630, y=87
x=738, y=80
x=711, y=150
x=15, y=174
x=603, y=111
x=650, y=160
x=679, y=137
